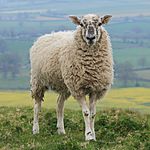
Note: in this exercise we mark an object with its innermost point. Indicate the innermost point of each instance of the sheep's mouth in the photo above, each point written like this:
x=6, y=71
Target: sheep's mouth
x=90, y=43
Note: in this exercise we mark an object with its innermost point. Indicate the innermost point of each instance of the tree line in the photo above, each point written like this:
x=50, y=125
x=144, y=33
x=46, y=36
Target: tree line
x=10, y=62
x=126, y=74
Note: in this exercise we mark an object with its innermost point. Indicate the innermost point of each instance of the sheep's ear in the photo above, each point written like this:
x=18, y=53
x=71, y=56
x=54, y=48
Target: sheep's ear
x=105, y=19
x=75, y=20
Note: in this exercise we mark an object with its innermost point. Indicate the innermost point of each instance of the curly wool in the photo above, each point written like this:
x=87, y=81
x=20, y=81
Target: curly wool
x=66, y=64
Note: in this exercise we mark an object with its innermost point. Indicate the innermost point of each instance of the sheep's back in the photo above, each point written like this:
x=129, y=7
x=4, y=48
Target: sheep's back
x=44, y=56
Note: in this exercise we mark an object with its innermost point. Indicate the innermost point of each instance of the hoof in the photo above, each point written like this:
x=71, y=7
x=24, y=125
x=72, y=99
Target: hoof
x=90, y=137
x=61, y=131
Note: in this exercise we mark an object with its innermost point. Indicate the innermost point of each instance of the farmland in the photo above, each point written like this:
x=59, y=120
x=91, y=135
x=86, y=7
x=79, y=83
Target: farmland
x=125, y=7
x=136, y=99
x=21, y=22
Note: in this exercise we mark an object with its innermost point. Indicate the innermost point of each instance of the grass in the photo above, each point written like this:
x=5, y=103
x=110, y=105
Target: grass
x=115, y=129
x=125, y=98
x=118, y=125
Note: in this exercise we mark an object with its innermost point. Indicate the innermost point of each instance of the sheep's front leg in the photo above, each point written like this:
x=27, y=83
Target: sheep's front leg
x=37, y=108
x=86, y=115
x=60, y=114
x=92, y=103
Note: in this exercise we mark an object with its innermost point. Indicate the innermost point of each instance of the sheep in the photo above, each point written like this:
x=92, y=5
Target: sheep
x=76, y=63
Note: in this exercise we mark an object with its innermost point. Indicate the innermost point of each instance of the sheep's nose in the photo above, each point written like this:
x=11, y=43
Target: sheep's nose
x=90, y=38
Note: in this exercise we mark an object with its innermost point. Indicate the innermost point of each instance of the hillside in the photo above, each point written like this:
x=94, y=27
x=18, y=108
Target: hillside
x=21, y=22
x=115, y=129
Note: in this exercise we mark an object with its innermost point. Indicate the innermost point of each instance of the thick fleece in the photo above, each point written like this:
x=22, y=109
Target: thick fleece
x=65, y=63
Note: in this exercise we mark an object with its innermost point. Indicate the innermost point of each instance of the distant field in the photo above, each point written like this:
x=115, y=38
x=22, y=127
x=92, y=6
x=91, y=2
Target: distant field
x=37, y=26
x=137, y=99
x=120, y=52
x=128, y=26
x=131, y=55
x=145, y=74
x=125, y=7
x=121, y=55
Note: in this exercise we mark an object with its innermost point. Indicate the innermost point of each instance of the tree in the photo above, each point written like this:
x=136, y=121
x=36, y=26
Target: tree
x=125, y=73
x=4, y=65
x=15, y=64
x=142, y=62
x=10, y=63
x=3, y=46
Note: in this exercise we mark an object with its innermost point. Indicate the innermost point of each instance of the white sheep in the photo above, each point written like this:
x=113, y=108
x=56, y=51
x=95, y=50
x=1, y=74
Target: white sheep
x=76, y=63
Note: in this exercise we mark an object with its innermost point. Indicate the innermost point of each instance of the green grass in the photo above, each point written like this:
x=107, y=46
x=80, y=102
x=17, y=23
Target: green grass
x=122, y=122
x=115, y=129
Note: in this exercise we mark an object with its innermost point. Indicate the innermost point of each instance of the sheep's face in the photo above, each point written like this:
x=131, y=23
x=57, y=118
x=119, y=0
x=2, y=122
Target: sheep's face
x=91, y=27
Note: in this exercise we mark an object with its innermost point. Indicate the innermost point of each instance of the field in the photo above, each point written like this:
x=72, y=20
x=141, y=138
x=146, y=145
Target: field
x=18, y=36
x=144, y=73
x=118, y=125
x=125, y=7
x=120, y=53
x=135, y=99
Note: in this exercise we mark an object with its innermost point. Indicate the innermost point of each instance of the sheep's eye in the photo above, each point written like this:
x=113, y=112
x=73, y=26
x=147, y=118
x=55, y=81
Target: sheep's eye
x=81, y=24
x=99, y=24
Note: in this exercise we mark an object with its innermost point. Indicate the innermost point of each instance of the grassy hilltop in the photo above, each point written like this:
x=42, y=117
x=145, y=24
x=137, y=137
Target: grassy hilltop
x=115, y=129
x=118, y=124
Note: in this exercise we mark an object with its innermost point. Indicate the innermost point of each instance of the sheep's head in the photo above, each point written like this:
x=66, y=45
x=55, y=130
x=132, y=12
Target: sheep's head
x=90, y=26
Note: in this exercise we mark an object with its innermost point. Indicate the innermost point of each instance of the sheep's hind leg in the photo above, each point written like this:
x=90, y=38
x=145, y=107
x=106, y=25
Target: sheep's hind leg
x=60, y=113
x=92, y=105
x=37, y=108
x=86, y=115
x=37, y=95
